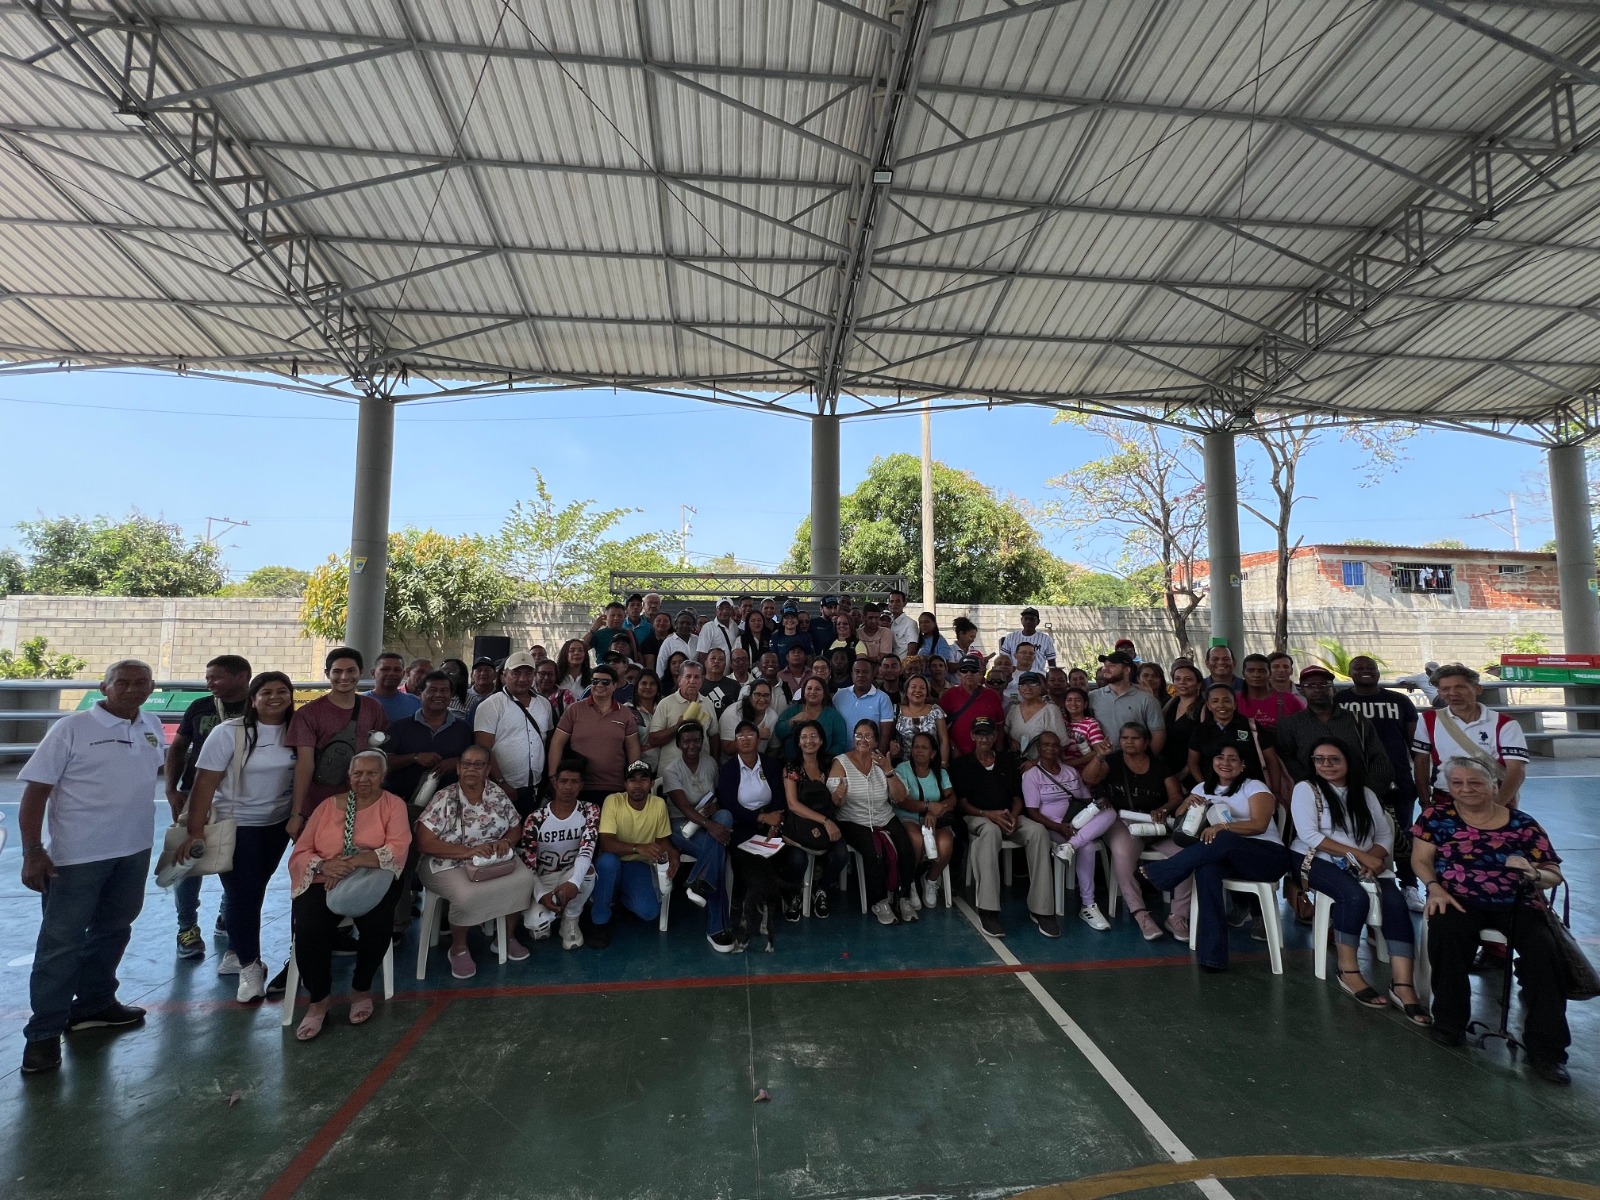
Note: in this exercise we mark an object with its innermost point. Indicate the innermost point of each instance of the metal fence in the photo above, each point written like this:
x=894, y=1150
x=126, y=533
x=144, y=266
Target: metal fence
x=690, y=587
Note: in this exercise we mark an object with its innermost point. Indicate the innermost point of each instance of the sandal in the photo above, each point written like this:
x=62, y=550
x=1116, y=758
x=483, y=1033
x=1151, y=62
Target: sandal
x=310, y=1026
x=1415, y=1013
x=1367, y=996
x=361, y=1011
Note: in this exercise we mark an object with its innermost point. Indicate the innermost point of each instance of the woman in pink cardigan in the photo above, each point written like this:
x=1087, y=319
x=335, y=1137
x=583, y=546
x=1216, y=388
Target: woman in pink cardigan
x=366, y=827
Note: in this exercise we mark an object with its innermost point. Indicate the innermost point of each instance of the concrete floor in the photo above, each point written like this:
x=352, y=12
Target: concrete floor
x=917, y=1061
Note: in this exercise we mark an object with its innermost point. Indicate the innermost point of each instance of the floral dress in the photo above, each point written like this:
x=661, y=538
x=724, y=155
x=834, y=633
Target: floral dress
x=451, y=817
x=1471, y=862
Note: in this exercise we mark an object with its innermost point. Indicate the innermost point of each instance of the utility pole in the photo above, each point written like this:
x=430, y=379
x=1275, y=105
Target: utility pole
x=684, y=510
x=227, y=524
x=1511, y=511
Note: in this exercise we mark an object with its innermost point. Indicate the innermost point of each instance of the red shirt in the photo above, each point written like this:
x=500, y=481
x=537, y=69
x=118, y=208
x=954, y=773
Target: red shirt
x=987, y=704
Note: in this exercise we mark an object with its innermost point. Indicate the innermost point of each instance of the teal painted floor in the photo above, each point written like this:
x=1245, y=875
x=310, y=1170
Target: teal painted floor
x=907, y=1062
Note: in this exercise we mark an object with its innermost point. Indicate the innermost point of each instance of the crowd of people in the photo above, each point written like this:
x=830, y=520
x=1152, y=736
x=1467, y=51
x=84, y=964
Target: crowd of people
x=753, y=758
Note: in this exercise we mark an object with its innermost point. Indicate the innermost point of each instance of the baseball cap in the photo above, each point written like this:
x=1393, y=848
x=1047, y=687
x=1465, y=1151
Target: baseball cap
x=485, y=661
x=970, y=665
x=520, y=659
x=830, y=601
x=1118, y=656
x=723, y=601
x=1315, y=673
x=1030, y=611
x=789, y=610
x=639, y=767
x=1121, y=642
x=1030, y=677
x=983, y=725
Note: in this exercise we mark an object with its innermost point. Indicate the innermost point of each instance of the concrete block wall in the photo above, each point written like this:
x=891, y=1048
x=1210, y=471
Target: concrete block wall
x=177, y=636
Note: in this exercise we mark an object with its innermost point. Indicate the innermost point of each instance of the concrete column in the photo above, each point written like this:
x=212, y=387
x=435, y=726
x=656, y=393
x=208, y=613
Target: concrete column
x=1222, y=535
x=369, y=526
x=824, y=494
x=1575, y=565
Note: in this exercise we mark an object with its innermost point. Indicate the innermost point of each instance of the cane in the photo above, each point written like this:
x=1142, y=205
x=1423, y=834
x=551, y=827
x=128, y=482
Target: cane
x=1525, y=891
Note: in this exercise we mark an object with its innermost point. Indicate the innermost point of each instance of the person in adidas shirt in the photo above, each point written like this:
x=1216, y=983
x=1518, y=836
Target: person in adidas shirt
x=1466, y=728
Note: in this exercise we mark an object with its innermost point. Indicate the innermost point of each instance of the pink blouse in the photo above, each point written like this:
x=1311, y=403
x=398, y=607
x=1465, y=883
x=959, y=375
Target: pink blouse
x=384, y=827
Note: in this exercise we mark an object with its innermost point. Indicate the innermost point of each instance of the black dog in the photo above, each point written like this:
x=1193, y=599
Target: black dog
x=760, y=907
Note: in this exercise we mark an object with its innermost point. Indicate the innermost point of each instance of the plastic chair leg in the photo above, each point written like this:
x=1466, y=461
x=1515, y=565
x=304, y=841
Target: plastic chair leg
x=1319, y=935
x=1059, y=869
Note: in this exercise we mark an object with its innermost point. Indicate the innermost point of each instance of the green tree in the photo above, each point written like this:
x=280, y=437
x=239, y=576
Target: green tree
x=568, y=551
x=34, y=661
x=985, y=551
x=271, y=581
x=1145, y=491
x=136, y=556
x=13, y=573
x=1084, y=588
x=437, y=587
x=1446, y=544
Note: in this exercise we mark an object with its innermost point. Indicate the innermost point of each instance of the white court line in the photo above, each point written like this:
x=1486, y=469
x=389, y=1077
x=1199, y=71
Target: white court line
x=1158, y=1129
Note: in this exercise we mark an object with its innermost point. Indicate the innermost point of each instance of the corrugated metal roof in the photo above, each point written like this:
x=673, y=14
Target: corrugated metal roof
x=1127, y=200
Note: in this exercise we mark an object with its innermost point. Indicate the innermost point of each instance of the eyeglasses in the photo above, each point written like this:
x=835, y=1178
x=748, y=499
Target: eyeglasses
x=472, y=765
x=1327, y=760
x=601, y=681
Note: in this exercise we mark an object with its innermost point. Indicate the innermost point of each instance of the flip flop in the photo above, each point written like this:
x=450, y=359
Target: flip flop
x=361, y=1011
x=1368, y=996
x=310, y=1026
x=1417, y=1014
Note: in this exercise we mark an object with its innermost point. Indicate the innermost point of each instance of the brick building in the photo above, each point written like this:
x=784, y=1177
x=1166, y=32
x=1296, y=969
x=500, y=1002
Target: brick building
x=1421, y=578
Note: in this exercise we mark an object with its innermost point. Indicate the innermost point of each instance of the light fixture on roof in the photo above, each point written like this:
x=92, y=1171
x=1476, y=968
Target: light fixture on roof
x=882, y=178
x=1488, y=216
x=131, y=116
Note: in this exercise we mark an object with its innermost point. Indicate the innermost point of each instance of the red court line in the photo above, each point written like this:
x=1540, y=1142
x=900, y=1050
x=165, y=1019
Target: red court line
x=301, y=1166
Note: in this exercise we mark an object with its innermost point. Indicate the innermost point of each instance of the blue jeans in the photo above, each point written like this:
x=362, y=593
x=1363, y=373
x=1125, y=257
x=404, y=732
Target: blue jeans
x=1228, y=856
x=89, y=910
x=710, y=864
x=257, y=851
x=637, y=880
x=186, y=896
x=1351, y=903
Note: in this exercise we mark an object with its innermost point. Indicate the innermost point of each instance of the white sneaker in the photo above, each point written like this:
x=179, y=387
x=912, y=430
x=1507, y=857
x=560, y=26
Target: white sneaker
x=908, y=910
x=883, y=912
x=1065, y=852
x=252, y=982
x=1415, y=900
x=1091, y=916
x=916, y=899
x=571, y=935
x=930, y=894
x=229, y=964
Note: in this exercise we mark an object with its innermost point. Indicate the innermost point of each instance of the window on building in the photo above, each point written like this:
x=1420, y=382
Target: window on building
x=1355, y=574
x=1423, y=578
x=1513, y=569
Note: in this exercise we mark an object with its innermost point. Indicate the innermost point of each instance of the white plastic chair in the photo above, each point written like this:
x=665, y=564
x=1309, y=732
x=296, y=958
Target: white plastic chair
x=1064, y=881
x=1324, y=917
x=666, y=899
x=433, y=906
x=1266, y=895
x=1423, y=971
x=291, y=983
x=1008, y=846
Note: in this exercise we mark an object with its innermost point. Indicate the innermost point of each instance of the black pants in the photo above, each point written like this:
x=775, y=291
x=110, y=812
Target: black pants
x=1400, y=805
x=314, y=927
x=408, y=875
x=859, y=838
x=792, y=865
x=525, y=798
x=1452, y=939
x=256, y=854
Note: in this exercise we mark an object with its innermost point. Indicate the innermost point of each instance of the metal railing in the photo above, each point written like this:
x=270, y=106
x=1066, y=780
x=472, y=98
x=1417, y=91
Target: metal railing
x=703, y=587
x=29, y=706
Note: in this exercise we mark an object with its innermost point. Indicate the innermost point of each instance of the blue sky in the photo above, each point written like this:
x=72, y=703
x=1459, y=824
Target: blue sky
x=186, y=449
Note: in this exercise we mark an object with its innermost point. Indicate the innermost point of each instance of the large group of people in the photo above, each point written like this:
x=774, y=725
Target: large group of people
x=753, y=758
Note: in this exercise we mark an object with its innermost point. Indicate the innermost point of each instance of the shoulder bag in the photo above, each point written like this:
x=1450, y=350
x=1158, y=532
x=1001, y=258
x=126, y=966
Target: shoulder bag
x=333, y=757
x=361, y=891
x=1583, y=982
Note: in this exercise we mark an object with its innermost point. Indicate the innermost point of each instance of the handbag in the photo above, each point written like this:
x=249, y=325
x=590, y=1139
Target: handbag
x=481, y=870
x=361, y=891
x=219, y=836
x=1583, y=982
x=332, y=766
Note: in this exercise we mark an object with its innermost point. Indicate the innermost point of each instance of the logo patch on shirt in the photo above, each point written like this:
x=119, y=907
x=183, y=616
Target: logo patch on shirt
x=151, y=738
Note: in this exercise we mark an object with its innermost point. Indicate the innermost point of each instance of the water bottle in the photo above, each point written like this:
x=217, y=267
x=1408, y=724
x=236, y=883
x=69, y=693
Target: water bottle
x=1084, y=815
x=664, y=877
x=930, y=847
x=1194, y=820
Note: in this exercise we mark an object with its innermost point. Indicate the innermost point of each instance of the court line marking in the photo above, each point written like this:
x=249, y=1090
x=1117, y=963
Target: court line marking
x=311, y=1155
x=1278, y=1166
x=1160, y=1132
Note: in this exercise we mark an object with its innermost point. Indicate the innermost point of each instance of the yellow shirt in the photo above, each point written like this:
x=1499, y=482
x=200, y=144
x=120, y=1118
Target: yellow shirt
x=635, y=825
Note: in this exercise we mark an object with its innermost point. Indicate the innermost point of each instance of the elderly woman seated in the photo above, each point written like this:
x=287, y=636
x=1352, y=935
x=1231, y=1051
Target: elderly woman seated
x=338, y=870
x=1483, y=866
x=467, y=835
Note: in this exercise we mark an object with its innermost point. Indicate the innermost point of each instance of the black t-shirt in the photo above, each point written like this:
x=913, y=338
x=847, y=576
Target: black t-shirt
x=1180, y=730
x=1209, y=737
x=1390, y=713
x=720, y=694
x=411, y=735
x=995, y=787
x=1144, y=791
x=199, y=719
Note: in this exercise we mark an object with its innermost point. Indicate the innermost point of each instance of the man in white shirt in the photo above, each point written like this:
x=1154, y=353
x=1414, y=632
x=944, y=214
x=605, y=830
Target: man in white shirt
x=719, y=633
x=682, y=639
x=94, y=777
x=1465, y=728
x=1029, y=633
x=514, y=725
x=902, y=624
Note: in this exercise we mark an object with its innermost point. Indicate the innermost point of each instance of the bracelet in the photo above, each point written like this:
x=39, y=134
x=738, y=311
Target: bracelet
x=32, y=848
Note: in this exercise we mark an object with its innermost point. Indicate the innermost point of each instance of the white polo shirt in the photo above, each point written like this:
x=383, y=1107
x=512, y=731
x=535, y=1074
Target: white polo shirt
x=518, y=747
x=103, y=772
x=904, y=628
x=716, y=636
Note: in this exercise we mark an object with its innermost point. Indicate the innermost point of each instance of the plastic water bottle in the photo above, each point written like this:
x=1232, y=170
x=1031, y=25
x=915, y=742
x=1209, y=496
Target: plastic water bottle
x=664, y=877
x=1084, y=815
x=1194, y=820
x=930, y=847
